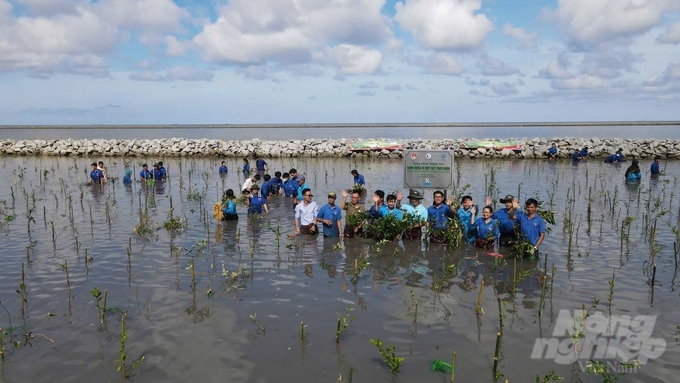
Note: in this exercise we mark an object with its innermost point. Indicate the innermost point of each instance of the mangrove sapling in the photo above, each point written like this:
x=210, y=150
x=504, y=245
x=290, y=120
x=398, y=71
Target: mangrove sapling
x=388, y=355
x=610, y=298
x=344, y=320
x=303, y=332
x=496, y=356
x=595, y=367
x=253, y=317
x=358, y=267
x=64, y=268
x=551, y=377
x=22, y=290
x=480, y=310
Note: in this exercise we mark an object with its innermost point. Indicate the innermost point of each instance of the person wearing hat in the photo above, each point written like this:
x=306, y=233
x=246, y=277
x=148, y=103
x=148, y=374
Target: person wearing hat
x=633, y=171
x=507, y=224
x=415, y=209
x=353, y=207
x=655, y=165
x=305, y=214
x=358, y=179
x=127, y=179
x=256, y=203
x=301, y=186
x=330, y=216
x=250, y=181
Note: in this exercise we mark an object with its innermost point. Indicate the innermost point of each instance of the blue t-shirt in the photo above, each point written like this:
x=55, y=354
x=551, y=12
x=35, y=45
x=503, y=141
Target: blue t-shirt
x=260, y=164
x=163, y=171
x=552, y=150
x=507, y=225
x=157, y=174
x=145, y=174
x=334, y=214
x=576, y=156
x=127, y=179
x=224, y=169
x=264, y=190
x=620, y=157
x=375, y=214
x=610, y=158
x=438, y=217
x=486, y=230
x=385, y=211
x=230, y=208
x=584, y=153
x=300, y=189
x=655, y=168
x=290, y=187
x=96, y=176
x=531, y=227
x=256, y=204
x=359, y=180
x=246, y=168
x=275, y=185
x=465, y=217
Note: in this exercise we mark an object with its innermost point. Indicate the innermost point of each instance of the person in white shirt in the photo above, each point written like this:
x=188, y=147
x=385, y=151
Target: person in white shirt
x=305, y=214
x=250, y=181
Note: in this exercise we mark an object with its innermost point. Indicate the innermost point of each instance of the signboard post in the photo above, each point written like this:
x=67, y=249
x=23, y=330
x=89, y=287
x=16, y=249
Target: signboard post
x=428, y=169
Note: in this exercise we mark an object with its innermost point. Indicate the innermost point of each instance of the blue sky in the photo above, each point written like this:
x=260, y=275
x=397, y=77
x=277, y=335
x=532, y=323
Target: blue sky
x=325, y=61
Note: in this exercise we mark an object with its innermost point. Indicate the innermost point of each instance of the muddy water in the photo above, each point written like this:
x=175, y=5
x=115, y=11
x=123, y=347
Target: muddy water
x=201, y=331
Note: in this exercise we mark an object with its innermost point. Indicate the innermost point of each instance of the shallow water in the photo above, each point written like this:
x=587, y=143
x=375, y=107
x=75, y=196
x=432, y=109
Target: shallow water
x=186, y=334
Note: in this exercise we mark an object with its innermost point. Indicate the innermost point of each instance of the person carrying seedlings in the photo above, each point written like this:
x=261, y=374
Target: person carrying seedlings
x=485, y=228
x=655, y=166
x=353, y=208
x=467, y=214
x=256, y=203
x=145, y=174
x=415, y=209
x=390, y=208
x=507, y=224
x=276, y=184
x=358, y=179
x=96, y=175
x=633, y=171
x=330, y=216
x=438, y=216
x=305, y=214
x=531, y=225
x=229, y=206
x=223, y=170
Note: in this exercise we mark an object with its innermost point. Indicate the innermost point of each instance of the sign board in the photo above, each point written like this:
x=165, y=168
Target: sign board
x=428, y=169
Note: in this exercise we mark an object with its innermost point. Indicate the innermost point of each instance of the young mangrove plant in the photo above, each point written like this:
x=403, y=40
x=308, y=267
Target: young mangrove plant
x=344, y=320
x=122, y=367
x=101, y=306
x=253, y=317
x=388, y=355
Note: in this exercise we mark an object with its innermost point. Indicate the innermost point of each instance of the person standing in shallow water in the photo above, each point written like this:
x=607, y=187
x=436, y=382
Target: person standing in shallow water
x=438, y=216
x=531, y=225
x=305, y=214
x=358, y=179
x=223, y=170
x=416, y=209
x=353, y=207
x=485, y=229
x=144, y=174
x=229, y=206
x=654, y=169
x=96, y=175
x=256, y=203
x=330, y=216
x=633, y=171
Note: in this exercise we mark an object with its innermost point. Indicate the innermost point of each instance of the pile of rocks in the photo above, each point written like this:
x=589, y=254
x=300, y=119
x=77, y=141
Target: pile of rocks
x=532, y=148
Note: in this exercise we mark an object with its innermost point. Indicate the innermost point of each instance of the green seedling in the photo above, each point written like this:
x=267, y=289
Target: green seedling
x=388, y=355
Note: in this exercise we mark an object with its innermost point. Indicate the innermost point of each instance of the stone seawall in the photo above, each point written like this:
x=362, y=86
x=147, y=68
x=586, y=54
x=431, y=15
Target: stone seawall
x=176, y=147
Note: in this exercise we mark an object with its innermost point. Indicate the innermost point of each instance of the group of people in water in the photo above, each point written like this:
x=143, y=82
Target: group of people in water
x=484, y=227
x=159, y=173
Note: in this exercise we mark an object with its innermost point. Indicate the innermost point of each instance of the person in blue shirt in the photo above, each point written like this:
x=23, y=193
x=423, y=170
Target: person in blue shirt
x=655, y=165
x=164, y=172
x=633, y=171
x=507, y=224
x=290, y=186
x=157, y=173
x=378, y=203
x=301, y=186
x=486, y=229
x=266, y=186
x=276, y=185
x=552, y=151
x=438, y=216
x=391, y=208
x=532, y=226
x=256, y=203
x=330, y=216
x=96, y=175
x=619, y=155
x=229, y=206
x=261, y=165
x=584, y=153
x=576, y=156
x=223, y=170
x=358, y=179
x=246, y=166
x=466, y=216
x=145, y=174
x=610, y=158
x=415, y=209
x=127, y=179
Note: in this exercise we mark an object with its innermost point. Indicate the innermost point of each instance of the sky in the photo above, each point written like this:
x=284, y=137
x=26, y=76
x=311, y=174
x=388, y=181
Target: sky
x=337, y=61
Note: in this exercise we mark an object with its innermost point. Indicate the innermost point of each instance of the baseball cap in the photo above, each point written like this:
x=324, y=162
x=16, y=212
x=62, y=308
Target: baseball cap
x=508, y=198
x=301, y=178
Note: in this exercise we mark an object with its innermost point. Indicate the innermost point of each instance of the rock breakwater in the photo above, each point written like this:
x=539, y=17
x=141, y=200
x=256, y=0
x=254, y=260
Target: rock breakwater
x=180, y=147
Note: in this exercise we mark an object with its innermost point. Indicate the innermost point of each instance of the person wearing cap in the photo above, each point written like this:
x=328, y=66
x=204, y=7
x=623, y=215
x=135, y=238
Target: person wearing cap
x=531, y=225
x=256, y=203
x=358, y=179
x=467, y=212
x=552, y=151
x=127, y=178
x=353, y=207
x=330, y=216
x=305, y=214
x=250, y=181
x=223, y=170
x=157, y=173
x=261, y=165
x=633, y=171
x=415, y=209
x=96, y=175
x=378, y=203
x=301, y=186
x=507, y=224
x=655, y=166
x=145, y=174
x=438, y=216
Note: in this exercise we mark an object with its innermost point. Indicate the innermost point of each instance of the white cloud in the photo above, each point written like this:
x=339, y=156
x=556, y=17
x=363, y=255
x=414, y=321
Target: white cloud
x=580, y=82
x=365, y=92
x=148, y=15
x=667, y=83
x=558, y=68
x=671, y=36
x=444, y=24
x=175, y=47
x=350, y=59
x=179, y=73
x=594, y=21
x=500, y=89
x=522, y=38
x=491, y=66
x=256, y=31
x=48, y=7
x=368, y=85
x=439, y=63
x=393, y=87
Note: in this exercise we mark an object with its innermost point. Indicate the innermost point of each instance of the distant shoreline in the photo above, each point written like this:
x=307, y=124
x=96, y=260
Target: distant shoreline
x=359, y=125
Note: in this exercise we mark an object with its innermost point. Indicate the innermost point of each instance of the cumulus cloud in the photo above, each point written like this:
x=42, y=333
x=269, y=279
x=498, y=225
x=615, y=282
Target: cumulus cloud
x=48, y=7
x=350, y=59
x=665, y=84
x=438, y=63
x=179, y=73
x=558, y=68
x=580, y=82
x=589, y=21
x=256, y=31
x=258, y=72
x=491, y=66
x=393, y=87
x=148, y=15
x=500, y=89
x=522, y=38
x=671, y=35
x=444, y=24
x=174, y=47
